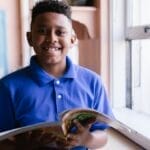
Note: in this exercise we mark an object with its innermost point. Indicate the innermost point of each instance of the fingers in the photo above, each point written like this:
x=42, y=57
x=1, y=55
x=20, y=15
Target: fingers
x=80, y=127
x=79, y=136
x=73, y=140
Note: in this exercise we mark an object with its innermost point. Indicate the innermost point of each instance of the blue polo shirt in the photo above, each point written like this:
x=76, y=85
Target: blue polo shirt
x=30, y=95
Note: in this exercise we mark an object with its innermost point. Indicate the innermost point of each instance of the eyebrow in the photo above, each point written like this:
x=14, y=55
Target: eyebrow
x=58, y=26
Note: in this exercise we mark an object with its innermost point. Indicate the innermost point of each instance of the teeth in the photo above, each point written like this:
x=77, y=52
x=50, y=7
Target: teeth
x=52, y=49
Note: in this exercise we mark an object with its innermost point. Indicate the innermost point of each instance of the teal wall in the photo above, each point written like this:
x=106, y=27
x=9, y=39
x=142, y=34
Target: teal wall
x=3, y=44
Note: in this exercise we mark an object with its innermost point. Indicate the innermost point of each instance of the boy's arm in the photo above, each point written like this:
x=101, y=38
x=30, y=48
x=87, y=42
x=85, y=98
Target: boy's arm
x=96, y=139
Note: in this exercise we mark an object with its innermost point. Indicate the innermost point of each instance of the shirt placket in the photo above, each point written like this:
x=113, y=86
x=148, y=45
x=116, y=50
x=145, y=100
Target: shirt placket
x=60, y=103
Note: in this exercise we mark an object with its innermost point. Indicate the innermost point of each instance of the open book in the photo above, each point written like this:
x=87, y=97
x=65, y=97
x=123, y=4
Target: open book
x=50, y=135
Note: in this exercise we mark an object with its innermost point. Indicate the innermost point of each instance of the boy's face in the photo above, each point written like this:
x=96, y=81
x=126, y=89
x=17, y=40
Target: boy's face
x=51, y=37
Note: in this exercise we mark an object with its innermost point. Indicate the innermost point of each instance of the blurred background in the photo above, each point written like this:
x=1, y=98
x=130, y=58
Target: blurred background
x=113, y=40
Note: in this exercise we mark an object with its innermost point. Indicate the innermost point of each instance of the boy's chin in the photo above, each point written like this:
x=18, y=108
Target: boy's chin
x=53, y=62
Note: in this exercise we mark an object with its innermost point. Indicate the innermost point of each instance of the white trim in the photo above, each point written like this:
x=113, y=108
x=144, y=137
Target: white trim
x=117, y=53
x=26, y=53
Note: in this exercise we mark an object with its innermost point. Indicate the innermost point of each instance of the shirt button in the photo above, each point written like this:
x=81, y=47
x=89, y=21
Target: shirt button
x=57, y=82
x=59, y=96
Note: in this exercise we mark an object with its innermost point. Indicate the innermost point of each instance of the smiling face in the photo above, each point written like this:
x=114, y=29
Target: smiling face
x=51, y=37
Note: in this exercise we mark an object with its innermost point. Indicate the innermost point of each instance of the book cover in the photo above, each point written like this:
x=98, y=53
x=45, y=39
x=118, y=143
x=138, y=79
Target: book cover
x=48, y=135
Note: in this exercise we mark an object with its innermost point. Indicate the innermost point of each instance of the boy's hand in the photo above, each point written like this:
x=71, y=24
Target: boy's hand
x=81, y=137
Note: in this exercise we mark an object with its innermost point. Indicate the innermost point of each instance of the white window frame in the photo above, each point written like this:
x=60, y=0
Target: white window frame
x=118, y=50
x=25, y=26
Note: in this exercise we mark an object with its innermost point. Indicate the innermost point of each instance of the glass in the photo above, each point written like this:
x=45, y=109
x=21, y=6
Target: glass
x=139, y=12
x=141, y=75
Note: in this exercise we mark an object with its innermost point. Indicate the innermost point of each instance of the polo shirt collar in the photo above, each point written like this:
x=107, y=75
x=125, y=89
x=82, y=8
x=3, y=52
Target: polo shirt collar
x=42, y=77
x=71, y=71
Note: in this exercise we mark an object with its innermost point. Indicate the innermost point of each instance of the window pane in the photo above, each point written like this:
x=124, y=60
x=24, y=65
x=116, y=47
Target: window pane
x=141, y=75
x=139, y=12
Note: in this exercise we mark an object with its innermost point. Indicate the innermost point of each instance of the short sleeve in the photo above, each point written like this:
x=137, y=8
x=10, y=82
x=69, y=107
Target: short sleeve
x=102, y=105
x=6, y=109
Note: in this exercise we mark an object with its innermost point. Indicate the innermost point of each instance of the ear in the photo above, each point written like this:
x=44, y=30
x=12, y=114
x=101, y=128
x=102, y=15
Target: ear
x=74, y=39
x=29, y=38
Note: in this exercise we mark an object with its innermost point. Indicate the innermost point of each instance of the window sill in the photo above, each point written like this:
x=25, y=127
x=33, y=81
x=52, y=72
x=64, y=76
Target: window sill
x=136, y=121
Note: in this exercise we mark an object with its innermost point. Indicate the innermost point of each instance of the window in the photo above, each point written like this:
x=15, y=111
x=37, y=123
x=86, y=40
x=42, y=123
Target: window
x=138, y=37
x=130, y=62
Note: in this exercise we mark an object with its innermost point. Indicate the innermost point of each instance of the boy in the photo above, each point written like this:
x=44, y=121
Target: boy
x=52, y=83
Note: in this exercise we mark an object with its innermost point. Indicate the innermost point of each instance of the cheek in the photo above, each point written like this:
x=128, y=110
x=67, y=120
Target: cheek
x=37, y=40
x=67, y=43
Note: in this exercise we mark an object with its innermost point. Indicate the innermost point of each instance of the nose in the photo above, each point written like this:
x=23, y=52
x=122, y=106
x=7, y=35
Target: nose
x=51, y=37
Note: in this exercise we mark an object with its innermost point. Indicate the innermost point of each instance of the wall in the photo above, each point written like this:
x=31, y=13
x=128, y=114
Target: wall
x=11, y=8
x=103, y=6
x=94, y=51
x=86, y=26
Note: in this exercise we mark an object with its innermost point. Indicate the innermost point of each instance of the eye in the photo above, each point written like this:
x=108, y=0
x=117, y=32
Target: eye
x=42, y=31
x=61, y=32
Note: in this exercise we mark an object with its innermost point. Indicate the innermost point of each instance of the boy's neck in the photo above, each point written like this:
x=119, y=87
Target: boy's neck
x=55, y=70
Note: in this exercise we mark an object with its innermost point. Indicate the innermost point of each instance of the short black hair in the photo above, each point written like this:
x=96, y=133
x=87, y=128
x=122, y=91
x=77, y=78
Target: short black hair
x=58, y=6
